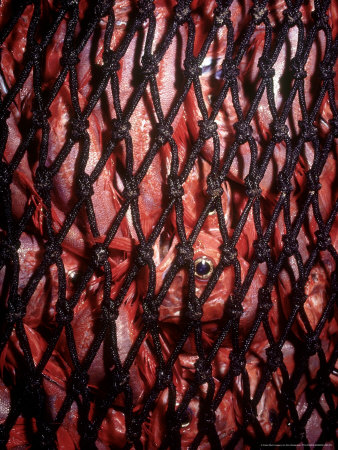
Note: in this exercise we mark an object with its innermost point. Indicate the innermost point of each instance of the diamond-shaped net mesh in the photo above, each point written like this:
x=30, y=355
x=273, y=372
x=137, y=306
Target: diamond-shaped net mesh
x=168, y=207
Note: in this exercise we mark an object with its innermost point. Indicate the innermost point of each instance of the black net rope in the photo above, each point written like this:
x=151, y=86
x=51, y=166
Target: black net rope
x=119, y=327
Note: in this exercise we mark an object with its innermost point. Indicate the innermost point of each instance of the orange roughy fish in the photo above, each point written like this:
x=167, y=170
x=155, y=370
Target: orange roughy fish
x=107, y=198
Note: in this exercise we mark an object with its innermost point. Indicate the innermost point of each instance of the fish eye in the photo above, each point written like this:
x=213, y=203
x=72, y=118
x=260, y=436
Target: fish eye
x=203, y=267
x=74, y=277
x=186, y=419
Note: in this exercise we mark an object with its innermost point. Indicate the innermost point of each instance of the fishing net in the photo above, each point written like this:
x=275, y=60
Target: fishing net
x=168, y=224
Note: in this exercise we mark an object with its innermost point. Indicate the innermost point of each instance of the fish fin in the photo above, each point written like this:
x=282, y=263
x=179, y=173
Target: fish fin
x=119, y=270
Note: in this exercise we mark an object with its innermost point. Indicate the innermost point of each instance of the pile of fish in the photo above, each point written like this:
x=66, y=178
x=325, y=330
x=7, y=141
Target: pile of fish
x=168, y=233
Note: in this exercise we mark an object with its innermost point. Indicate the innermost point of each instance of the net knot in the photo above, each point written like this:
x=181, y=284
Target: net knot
x=237, y=363
x=323, y=239
x=185, y=253
x=149, y=65
x=312, y=180
x=264, y=300
x=234, y=307
x=103, y=8
x=298, y=433
x=31, y=393
x=131, y=190
x=334, y=126
x=208, y=129
x=194, y=311
x=145, y=9
x=78, y=381
x=120, y=129
x=326, y=71
x=265, y=69
x=320, y=17
x=334, y=282
x=175, y=189
x=119, y=378
x=36, y=51
x=288, y=396
x=78, y=128
x=323, y=378
x=85, y=187
x=4, y=114
x=191, y=68
x=229, y=69
x=214, y=186
x=243, y=131
x=23, y=3
x=47, y=437
x=292, y=16
x=297, y=69
x=312, y=344
x=259, y=13
x=5, y=176
x=252, y=186
x=109, y=310
x=250, y=413
x=64, y=313
x=228, y=255
x=329, y=424
x=53, y=251
x=134, y=430
x=262, y=250
x=309, y=131
x=69, y=60
x=164, y=378
x=174, y=425
x=110, y=61
x=8, y=249
x=144, y=254
x=222, y=16
x=274, y=357
x=16, y=309
x=193, y=314
x=203, y=371
x=207, y=419
x=164, y=133
x=182, y=13
x=32, y=386
x=69, y=3
x=88, y=434
x=100, y=255
x=290, y=244
x=4, y=435
x=43, y=181
x=298, y=296
x=150, y=316
x=40, y=117
x=280, y=131
x=283, y=183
